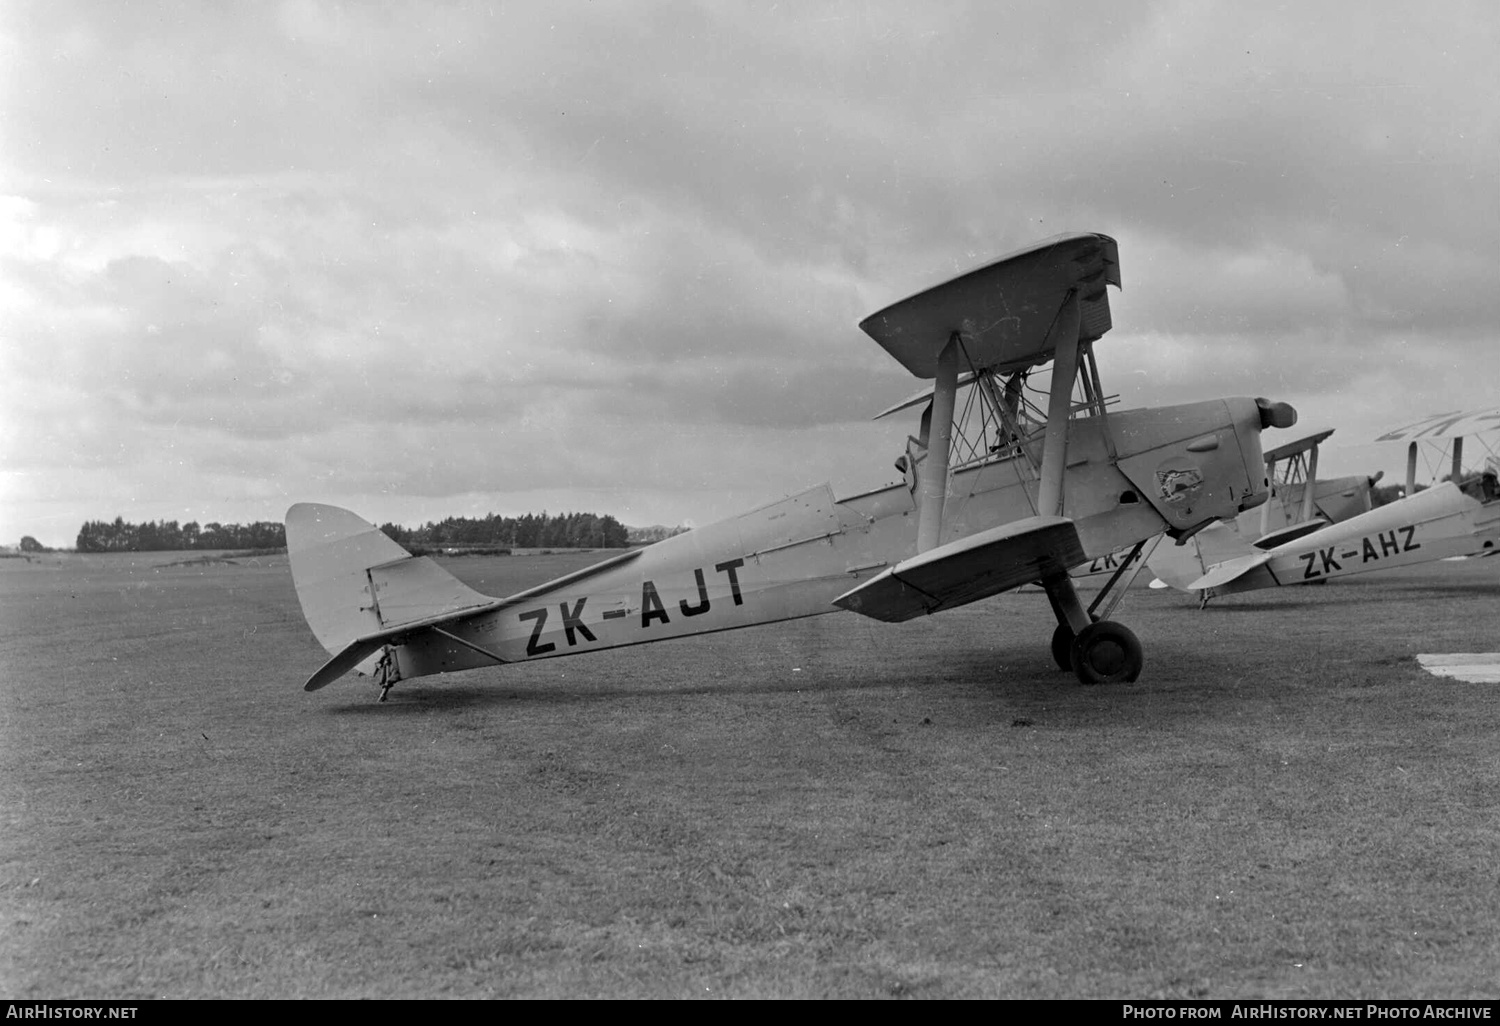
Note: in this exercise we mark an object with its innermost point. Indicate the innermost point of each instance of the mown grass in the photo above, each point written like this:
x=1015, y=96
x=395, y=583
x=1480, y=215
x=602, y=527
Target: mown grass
x=1285, y=805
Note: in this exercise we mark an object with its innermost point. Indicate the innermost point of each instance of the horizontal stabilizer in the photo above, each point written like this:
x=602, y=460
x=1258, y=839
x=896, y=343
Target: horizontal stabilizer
x=358, y=588
x=1229, y=570
x=351, y=579
x=352, y=655
x=360, y=649
x=361, y=592
x=968, y=569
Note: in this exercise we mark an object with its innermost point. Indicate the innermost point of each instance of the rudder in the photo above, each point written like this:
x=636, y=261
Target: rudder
x=353, y=581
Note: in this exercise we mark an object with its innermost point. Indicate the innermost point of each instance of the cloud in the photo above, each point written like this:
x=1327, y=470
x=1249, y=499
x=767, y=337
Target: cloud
x=439, y=257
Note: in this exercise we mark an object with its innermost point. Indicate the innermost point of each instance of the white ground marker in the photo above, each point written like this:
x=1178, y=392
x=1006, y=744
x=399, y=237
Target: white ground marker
x=1474, y=667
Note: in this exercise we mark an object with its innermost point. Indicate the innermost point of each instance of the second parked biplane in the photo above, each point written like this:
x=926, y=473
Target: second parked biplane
x=997, y=493
x=1300, y=503
x=1454, y=518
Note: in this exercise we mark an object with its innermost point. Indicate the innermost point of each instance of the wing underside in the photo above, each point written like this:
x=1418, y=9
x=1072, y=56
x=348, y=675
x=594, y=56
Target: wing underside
x=1004, y=311
x=968, y=569
x=1301, y=445
x=1443, y=426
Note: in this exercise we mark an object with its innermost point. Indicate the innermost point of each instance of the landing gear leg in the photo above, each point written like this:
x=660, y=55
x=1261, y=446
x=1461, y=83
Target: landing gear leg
x=1071, y=618
x=1062, y=646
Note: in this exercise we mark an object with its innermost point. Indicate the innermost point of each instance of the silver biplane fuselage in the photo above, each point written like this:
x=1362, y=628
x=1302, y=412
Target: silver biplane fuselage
x=795, y=557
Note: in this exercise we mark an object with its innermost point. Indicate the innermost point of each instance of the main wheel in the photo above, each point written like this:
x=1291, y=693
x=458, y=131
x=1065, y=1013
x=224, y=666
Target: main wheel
x=1106, y=653
x=1062, y=645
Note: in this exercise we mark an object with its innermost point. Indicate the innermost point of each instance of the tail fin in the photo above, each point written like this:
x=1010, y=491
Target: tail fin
x=354, y=583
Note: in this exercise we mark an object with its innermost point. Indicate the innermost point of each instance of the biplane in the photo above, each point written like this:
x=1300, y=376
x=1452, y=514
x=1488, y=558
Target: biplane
x=1300, y=503
x=1453, y=518
x=1017, y=483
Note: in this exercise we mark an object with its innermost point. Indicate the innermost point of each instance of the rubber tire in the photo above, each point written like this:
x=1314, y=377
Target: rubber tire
x=1062, y=646
x=1106, y=653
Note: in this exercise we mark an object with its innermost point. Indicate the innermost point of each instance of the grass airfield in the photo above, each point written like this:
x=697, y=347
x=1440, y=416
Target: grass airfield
x=1285, y=806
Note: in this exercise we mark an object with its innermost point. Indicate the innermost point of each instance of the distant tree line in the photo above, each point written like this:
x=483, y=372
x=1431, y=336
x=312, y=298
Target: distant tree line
x=652, y=534
x=533, y=530
x=162, y=535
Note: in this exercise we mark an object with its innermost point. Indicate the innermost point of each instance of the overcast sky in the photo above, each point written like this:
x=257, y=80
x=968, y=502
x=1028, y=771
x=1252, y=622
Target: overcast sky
x=428, y=260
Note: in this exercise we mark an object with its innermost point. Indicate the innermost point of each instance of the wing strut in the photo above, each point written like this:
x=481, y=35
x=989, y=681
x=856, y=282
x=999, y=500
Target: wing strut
x=934, y=480
x=1456, y=472
x=1064, y=335
x=1265, y=507
x=1309, y=485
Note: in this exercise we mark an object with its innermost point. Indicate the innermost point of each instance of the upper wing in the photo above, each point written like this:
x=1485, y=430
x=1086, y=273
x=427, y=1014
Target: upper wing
x=1003, y=311
x=1281, y=452
x=968, y=569
x=1447, y=425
